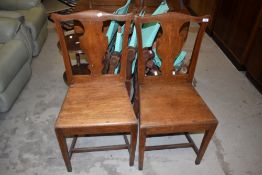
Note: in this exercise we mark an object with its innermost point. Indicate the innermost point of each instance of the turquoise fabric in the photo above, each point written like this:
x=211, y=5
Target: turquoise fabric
x=119, y=44
x=149, y=31
x=177, y=63
x=156, y=59
x=134, y=64
x=133, y=40
x=179, y=59
x=114, y=25
x=119, y=40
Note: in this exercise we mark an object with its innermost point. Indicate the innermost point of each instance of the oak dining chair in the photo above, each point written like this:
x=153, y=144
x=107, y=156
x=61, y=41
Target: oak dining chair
x=168, y=103
x=96, y=104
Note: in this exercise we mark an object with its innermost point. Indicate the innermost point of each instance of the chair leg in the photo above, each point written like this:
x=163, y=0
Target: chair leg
x=136, y=95
x=206, y=139
x=64, y=150
x=133, y=145
x=136, y=107
x=128, y=87
x=142, y=143
x=137, y=103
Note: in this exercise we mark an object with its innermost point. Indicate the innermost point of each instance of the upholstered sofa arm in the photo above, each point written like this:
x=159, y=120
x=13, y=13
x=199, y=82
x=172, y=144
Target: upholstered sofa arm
x=8, y=28
x=12, y=14
x=18, y=4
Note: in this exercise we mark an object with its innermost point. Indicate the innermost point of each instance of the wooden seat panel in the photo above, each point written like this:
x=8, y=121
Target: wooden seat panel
x=97, y=103
x=109, y=105
x=168, y=103
x=175, y=104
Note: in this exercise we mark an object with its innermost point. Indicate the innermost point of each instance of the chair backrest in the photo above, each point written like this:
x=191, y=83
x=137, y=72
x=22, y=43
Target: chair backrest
x=93, y=41
x=169, y=44
x=114, y=25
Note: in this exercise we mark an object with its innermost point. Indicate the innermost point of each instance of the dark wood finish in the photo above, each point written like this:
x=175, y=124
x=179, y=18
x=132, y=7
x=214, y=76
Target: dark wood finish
x=254, y=62
x=105, y=5
x=110, y=6
x=95, y=104
x=174, y=5
x=167, y=103
x=93, y=42
x=174, y=146
x=233, y=26
x=73, y=46
x=203, y=7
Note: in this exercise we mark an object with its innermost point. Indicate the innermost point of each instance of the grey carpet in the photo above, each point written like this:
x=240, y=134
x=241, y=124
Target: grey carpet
x=28, y=144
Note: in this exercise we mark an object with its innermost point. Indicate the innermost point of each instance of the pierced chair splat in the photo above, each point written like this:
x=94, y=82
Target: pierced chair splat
x=168, y=103
x=95, y=104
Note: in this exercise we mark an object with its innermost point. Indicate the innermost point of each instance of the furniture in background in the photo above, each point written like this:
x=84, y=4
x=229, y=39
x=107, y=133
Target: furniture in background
x=105, y=5
x=174, y=5
x=33, y=12
x=254, y=62
x=234, y=22
x=203, y=7
x=70, y=3
x=168, y=103
x=95, y=104
x=73, y=47
x=15, y=60
x=136, y=5
x=23, y=30
x=234, y=27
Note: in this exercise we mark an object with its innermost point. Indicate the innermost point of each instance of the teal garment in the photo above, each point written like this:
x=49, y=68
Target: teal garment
x=156, y=59
x=134, y=64
x=119, y=40
x=179, y=59
x=177, y=63
x=117, y=70
x=114, y=25
x=133, y=40
x=149, y=31
x=119, y=44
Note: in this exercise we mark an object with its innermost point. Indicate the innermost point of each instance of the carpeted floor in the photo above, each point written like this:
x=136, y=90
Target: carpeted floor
x=28, y=144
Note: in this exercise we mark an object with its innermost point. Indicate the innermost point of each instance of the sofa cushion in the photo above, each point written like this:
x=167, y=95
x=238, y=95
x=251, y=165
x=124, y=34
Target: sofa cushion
x=8, y=4
x=18, y=4
x=13, y=56
x=24, y=35
x=35, y=19
x=12, y=14
x=8, y=97
x=8, y=28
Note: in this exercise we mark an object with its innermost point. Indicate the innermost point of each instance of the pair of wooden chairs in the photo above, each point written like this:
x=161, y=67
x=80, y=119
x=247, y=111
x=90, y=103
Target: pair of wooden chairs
x=99, y=104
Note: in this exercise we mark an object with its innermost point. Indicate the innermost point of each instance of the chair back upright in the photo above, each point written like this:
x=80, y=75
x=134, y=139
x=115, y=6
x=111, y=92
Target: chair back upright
x=169, y=44
x=93, y=41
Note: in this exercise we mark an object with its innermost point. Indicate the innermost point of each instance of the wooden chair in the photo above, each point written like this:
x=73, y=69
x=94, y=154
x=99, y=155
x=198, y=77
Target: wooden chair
x=169, y=104
x=95, y=104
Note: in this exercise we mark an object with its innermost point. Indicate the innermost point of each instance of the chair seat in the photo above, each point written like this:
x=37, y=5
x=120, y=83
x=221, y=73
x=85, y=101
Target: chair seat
x=103, y=101
x=172, y=105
